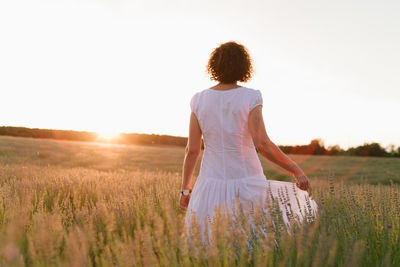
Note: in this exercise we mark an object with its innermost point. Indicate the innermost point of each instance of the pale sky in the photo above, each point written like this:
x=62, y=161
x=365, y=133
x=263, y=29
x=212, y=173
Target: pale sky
x=326, y=69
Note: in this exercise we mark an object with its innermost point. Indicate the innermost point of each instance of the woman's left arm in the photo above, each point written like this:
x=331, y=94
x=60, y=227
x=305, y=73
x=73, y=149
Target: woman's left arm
x=192, y=152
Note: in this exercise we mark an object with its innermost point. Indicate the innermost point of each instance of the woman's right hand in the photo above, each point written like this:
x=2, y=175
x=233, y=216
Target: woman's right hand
x=303, y=183
x=184, y=201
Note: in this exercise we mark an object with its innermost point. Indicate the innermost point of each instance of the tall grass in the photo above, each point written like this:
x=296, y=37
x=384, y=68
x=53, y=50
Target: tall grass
x=56, y=216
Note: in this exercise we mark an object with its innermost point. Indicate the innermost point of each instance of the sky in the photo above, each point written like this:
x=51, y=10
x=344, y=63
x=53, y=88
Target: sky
x=326, y=69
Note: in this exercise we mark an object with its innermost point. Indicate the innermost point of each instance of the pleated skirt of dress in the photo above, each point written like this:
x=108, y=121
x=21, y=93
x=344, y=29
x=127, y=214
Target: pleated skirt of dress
x=250, y=191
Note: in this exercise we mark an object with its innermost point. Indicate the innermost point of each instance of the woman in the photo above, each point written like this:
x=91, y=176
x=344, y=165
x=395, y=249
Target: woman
x=229, y=117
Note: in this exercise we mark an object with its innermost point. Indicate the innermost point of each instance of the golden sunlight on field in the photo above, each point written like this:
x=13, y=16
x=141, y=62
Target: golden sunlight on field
x=66, y=203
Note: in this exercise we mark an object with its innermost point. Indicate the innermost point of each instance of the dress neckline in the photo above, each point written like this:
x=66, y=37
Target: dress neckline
x=233, y=89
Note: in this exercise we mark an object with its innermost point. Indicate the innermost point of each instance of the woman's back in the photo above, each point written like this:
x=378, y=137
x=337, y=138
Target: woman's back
x=223, y=118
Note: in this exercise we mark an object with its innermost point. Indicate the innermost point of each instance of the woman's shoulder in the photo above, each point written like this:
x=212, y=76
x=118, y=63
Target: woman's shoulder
x=241, y=88
x=196, y=94
x=200, y=93
x=252, y=90
x=195, y=97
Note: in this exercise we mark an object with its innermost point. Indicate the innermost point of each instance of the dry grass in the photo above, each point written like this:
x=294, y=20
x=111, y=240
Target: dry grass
x=102, y=215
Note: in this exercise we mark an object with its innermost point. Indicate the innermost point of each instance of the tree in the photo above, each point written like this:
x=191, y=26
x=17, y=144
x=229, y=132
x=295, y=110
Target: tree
x=317, y=146
x=334, y=150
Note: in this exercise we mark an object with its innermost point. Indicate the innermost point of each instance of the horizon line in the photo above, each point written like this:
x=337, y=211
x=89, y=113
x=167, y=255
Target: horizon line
x=180, y=136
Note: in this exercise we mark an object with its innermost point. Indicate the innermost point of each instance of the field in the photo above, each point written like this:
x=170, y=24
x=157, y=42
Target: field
x=66, y=203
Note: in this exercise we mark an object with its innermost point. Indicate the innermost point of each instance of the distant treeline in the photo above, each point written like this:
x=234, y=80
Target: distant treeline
x=124, y=138
x=316, y=146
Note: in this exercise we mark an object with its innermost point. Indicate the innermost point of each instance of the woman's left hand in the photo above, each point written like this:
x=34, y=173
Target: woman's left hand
x=184, y=201
x=303, y=183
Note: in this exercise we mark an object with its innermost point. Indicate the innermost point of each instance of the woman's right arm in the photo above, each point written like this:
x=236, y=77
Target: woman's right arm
x=271, y=151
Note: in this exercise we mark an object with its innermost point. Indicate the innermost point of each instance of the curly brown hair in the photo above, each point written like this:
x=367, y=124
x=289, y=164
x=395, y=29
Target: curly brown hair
x=229, y=63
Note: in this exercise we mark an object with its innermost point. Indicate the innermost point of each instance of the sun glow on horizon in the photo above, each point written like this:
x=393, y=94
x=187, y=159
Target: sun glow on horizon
x=107, y=135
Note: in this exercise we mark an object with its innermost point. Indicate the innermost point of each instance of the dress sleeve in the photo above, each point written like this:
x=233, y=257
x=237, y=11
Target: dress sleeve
x=256, y=100
x=192, y=103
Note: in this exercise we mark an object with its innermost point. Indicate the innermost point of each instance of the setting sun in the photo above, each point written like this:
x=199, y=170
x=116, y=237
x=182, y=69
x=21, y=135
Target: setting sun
x=107, y=136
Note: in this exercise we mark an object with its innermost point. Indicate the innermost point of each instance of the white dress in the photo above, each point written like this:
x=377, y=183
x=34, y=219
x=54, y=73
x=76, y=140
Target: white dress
x=230, y=165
